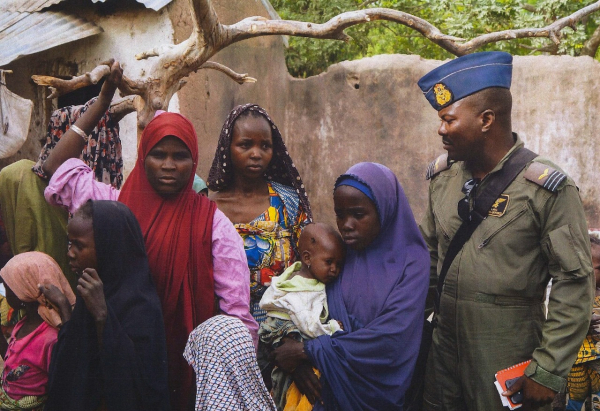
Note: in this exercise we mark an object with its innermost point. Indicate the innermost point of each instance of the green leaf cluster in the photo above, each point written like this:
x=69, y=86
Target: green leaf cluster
x=461, y=18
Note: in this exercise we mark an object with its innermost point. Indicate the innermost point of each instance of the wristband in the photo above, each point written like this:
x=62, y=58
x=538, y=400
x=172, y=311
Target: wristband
x=81, y=133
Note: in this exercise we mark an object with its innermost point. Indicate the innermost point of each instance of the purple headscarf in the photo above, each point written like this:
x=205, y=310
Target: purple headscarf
x=380, y=298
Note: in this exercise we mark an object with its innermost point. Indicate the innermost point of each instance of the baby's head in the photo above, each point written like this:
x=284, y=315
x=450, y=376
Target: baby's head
x=321, y=251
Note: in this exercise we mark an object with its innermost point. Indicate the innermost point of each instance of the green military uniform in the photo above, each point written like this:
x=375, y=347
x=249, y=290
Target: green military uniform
x=492, y=312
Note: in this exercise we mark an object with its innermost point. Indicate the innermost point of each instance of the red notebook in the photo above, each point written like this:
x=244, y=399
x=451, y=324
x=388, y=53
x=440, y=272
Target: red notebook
x=516, y=370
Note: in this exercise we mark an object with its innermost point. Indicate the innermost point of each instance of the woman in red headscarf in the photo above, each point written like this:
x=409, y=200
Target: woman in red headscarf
x=196, y=257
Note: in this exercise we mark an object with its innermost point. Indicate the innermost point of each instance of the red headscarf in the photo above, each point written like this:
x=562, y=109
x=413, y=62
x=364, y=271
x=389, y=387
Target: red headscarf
x=178, y=236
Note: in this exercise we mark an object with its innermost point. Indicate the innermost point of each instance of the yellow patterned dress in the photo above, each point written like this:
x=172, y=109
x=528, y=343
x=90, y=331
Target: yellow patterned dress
x=583, y=382
x=270, y=241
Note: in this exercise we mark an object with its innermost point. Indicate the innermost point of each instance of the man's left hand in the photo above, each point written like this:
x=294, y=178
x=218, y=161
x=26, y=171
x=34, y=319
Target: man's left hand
x=534, y=395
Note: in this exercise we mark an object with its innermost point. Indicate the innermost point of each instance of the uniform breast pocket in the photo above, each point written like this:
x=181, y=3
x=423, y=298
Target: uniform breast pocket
x=510, y=228
x=505, y=251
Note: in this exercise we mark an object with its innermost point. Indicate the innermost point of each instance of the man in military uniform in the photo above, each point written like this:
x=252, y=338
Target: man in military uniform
x=491, y=312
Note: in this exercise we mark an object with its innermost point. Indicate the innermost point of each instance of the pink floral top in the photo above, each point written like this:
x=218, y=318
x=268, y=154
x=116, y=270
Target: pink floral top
x=73, y=184
x=27, y=362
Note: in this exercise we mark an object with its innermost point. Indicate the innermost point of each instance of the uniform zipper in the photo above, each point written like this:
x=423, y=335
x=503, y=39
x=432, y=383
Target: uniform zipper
x=487, y=240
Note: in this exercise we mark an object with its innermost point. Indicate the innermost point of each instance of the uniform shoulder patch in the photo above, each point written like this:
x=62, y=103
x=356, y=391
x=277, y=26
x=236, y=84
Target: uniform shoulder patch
x=545, y=176
x=437, y=166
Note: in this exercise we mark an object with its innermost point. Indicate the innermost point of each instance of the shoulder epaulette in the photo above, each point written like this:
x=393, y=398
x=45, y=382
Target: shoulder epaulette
x=545, y=176
x=437, y=166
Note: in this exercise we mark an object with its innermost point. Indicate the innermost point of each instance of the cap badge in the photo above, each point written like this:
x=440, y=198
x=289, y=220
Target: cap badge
x=442, y=95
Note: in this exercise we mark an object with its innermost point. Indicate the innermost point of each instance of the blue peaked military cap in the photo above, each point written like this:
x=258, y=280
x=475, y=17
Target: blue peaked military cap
x=466, y=75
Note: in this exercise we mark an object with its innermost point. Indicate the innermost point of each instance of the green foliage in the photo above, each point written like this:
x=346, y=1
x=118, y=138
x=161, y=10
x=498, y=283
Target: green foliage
x=461, y=18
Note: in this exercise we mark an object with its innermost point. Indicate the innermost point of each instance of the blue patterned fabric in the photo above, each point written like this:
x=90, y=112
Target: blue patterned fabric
x=221, y=352
x=270, y=241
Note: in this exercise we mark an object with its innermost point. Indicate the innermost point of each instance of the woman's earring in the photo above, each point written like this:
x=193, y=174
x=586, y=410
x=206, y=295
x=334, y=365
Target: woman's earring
x=308, y=266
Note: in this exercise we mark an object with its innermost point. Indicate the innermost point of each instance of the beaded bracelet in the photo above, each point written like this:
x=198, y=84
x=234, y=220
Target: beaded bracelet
x=82, y=133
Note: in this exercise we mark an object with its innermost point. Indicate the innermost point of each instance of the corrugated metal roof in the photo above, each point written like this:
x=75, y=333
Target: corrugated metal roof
x=150, y=4
x=27, y=33
x=38, y=5
x=154, y=4
x=26, y=5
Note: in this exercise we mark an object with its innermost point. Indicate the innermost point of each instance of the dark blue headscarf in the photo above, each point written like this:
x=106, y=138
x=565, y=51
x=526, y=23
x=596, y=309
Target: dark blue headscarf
x=380, y=298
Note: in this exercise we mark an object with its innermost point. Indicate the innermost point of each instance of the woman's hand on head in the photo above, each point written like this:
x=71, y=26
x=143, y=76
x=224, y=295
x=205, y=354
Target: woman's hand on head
x=289, y=355
x=91, y=289
x=57, y=300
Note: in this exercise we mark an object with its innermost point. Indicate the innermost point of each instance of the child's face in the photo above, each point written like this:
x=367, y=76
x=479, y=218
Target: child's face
x=82, y=247
x=251, y=147
x=326, y=262
x=596, y=262
x=356, y=216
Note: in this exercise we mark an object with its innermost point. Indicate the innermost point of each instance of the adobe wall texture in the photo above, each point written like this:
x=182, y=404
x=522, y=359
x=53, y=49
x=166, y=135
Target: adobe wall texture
x=372, y=110
x=366, y=110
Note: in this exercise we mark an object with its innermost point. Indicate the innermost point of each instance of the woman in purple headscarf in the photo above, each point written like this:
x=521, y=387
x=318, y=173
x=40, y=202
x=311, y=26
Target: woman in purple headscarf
x=379, y=297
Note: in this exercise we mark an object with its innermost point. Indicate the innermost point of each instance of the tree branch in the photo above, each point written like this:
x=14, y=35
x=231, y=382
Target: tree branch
x=334, y=28
x=206, y=21
x=529, y=7
x=552, y=31
x=120, y=108
x=59, y=87
x=129, y=86
x=237, y=77
x=549, y=48
x=590, y=47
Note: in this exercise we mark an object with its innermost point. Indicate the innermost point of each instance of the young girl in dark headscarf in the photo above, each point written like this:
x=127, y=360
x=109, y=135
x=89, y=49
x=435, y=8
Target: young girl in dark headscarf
x=111, y=351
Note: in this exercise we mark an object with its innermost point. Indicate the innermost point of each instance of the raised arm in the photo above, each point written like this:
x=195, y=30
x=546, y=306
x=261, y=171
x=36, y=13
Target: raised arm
x=71, y=144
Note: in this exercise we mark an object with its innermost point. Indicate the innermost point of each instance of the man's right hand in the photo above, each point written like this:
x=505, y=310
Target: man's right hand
x=534, y=395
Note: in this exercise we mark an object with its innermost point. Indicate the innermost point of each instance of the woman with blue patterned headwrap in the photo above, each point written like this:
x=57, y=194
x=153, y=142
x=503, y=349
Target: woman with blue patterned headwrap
x=255, y=183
